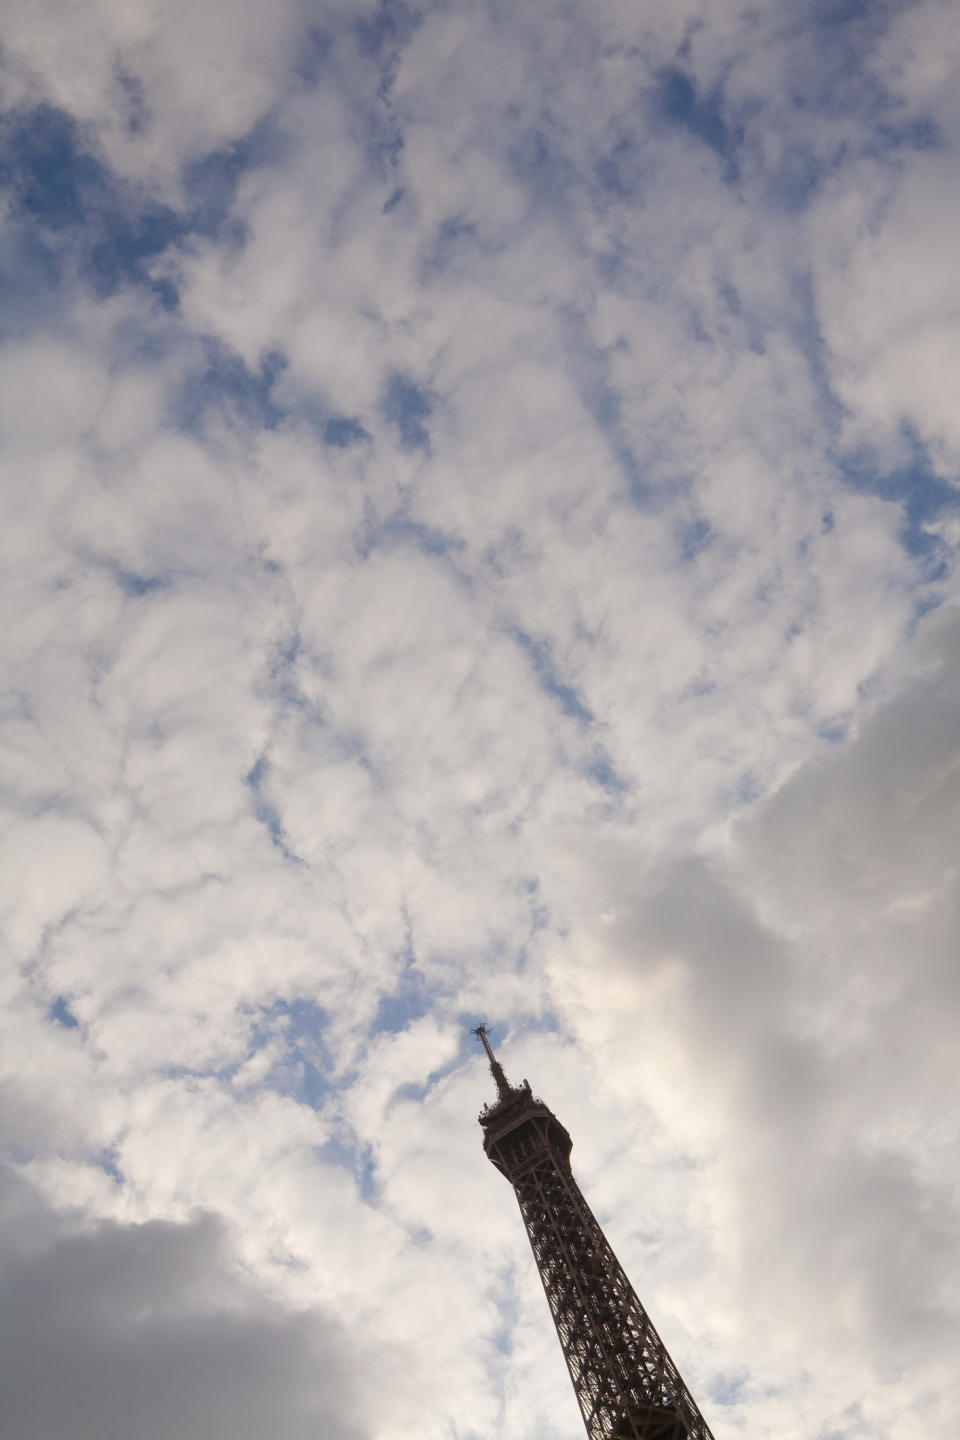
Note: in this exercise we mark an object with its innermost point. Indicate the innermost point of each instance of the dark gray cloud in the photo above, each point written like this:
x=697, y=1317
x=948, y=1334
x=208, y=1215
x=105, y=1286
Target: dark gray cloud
x=149, y=1331
x=793, y=1008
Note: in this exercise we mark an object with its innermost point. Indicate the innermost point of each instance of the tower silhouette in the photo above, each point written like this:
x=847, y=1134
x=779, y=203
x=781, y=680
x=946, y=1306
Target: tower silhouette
x=627, y=1386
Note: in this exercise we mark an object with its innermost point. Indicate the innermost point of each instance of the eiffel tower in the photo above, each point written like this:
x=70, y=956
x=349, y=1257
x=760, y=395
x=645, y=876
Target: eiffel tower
x=627, y=1386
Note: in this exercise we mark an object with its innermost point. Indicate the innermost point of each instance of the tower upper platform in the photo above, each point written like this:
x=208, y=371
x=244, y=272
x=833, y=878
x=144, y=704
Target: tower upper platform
x=518, y=1125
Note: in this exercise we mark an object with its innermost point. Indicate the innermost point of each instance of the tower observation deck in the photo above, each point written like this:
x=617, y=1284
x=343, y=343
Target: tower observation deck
x=626, y=1385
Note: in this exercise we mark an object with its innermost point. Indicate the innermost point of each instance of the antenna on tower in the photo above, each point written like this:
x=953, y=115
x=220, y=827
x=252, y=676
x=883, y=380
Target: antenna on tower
x=504, y=1088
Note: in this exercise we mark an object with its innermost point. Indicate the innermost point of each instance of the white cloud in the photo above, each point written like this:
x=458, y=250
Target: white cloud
x=508, y=698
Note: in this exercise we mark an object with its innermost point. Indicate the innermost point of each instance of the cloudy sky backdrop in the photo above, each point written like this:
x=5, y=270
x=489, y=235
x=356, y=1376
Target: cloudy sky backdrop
x=479, y=542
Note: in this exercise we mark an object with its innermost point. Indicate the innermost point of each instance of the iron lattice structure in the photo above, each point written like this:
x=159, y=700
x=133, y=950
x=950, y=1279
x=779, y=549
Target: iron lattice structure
x=627, y=1386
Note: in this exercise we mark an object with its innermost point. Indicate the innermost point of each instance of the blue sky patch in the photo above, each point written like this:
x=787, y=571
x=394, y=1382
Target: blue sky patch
x=399, y=529
x=408, y=1000
x=923, y=495
x=77, y=210
x=305, y=1022
x=407, y=406
x=540, y=655
x=264, y=809
x=227, y=383
x=211, y=182
x=602, y=771
x=107, y=1161
x=618, y=170
x=677, y=100
x=405, y=1005
x=313, y=53
x=51, y=177
x=283, y=656
x=840, y=12
x=454, y=237
x=794, y=181
x=304, y=1068
x=125, y=245
x=346, y=1151
x=342, y=431
x=694, y=535
x=833, y=731
x=541, y=167
x=390, y=28
x=80, y=211
x=136, y=585
x=61, y=1013
x=920, y=132
x=133, y=102
x=726, y=1389
x=590, y=367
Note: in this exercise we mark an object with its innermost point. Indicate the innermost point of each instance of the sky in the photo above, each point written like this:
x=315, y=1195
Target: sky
x=480, y=542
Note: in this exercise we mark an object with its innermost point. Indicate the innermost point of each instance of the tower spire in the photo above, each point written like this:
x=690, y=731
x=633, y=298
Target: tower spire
x=504, y=1088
